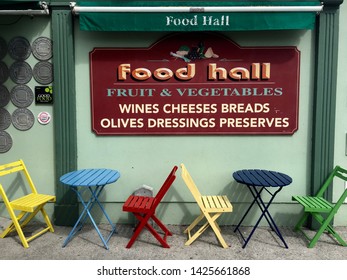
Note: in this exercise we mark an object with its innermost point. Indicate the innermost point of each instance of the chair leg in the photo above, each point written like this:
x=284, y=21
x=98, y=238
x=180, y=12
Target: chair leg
x=47, y=220
x=211, y=222
x=216, y=229
x=337, y=236
x=162, y=226
x=300, y=223
x=192, y=238
x=142, y=222
x=29, y=217
x=157, y=236
x=325, y=225
x=15, y=225
x=11, y=227
x=194, y=223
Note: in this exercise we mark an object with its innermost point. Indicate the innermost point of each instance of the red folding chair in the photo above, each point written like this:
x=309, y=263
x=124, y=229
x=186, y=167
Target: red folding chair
x=144, y=207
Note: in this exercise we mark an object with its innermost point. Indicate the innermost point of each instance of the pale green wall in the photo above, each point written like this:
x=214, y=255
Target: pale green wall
x=34, y=146
x=210, y=159
x=341, y=110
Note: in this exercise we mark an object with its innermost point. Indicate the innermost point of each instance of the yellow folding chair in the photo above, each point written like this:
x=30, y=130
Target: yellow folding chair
x=28, y=205
x=211, y=207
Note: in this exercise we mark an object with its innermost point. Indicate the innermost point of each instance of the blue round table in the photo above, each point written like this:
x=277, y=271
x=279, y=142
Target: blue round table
x=257, y=181
x=94, y=181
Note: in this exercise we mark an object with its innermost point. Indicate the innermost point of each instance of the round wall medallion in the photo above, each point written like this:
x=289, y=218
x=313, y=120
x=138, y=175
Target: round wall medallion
x=3, y=72
x=3, y=48
x=22, y=96
x=42, y=48
x=20, y=72
x=5, y=119
x=22, y=119
x=43, y=72
x=44, y=118
x=5, y=142
x=4, y=96
x=19, y=48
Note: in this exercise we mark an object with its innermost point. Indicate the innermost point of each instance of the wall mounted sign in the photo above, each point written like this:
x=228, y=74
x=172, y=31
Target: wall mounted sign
x=22, y=96
x=198, y=83
x=196, y=15
x=42, y=48
x=19, y=48
x=5, y=142
x=43, y=72
x=21, y=72
x=5, y=119
x=44, y=95
x=22, y=119
x=4, y=96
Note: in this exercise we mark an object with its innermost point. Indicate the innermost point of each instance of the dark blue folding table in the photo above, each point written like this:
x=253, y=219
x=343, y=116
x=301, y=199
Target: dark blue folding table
x=257, y=181
x=93, y=180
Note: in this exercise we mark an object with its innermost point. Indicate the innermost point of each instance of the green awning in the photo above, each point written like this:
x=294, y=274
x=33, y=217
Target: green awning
x=196, y=15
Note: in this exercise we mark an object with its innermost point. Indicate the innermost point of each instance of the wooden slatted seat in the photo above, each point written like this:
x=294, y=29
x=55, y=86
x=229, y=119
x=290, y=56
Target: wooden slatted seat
x=29, y=202
x=141, y=204
x=216, y=203
x=314, y=204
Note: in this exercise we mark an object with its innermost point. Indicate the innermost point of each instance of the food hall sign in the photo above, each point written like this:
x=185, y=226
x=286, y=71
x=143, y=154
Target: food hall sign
x=194, y=84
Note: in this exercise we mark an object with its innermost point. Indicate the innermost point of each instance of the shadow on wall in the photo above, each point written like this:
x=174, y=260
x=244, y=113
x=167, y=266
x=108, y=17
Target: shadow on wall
x=12, y=189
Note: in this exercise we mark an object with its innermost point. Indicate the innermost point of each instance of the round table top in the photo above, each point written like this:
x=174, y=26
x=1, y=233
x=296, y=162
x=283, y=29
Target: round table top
x=263, y=178
x=90, y=177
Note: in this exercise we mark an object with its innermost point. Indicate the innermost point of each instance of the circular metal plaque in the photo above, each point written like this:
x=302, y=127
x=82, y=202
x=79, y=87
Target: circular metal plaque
x=22, y=96
x=22, y=119
x=43, y=72
x=42, y=48
x=5, y=119
x=20, y=72
x=19, y=48
x=4, y=96
x=3, y=72
x=5, y=142
x=3, y=48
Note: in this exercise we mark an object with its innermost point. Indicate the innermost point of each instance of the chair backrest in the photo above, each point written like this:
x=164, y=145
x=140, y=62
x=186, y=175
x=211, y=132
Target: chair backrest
x=165, y=187
x=191, y=185
x=17, y=166
x=337, y=172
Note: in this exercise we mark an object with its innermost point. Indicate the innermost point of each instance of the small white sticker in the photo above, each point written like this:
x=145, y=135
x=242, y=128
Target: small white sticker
x=44, y=118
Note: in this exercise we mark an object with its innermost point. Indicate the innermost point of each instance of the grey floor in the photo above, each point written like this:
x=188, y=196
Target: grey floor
x=86, y=245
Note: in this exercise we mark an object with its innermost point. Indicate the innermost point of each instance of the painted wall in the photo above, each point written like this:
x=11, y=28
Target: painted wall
x=34, y=146
x=341, y=111
x=211, y=160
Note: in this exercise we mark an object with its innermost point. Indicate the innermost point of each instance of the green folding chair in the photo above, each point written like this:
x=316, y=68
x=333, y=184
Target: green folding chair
x=321, y=209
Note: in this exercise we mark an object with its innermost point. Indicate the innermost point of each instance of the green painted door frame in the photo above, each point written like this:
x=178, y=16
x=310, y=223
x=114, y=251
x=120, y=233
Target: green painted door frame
x=323, y=133
x=322, y=162
x=66, y=207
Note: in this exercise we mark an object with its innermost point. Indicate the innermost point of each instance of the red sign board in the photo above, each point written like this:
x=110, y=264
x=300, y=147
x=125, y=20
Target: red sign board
x=194, y=84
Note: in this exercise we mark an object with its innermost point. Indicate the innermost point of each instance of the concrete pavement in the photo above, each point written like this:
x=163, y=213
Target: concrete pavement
x=86, y=245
